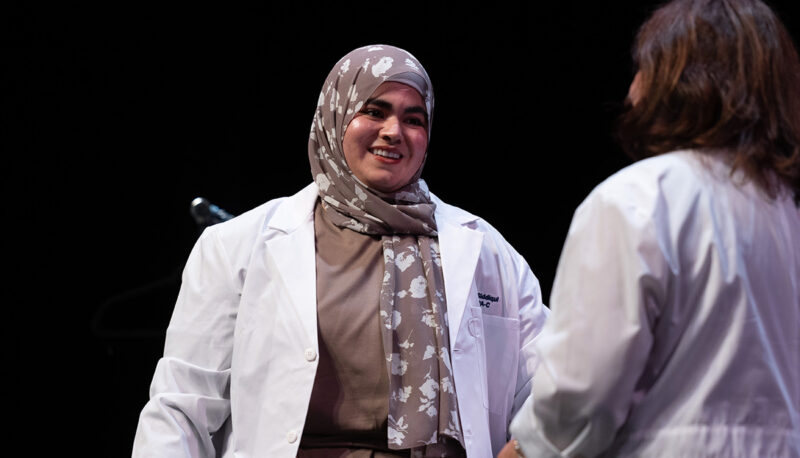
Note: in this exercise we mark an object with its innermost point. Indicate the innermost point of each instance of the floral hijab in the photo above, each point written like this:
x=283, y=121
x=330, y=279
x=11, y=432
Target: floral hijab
x=422, y=403
x=351, y=82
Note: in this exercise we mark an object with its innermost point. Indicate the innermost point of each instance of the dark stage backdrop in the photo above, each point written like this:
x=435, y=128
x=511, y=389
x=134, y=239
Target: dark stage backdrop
x=116, y=115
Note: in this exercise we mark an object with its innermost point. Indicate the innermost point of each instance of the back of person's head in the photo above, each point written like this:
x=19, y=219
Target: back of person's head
x=718, y=75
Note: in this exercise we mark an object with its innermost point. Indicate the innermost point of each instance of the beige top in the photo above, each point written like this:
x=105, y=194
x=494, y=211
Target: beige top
x=350, y=400
x=349, y=406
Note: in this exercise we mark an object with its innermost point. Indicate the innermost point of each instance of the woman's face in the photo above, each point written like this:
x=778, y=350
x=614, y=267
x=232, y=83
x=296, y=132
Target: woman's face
x=385, y=143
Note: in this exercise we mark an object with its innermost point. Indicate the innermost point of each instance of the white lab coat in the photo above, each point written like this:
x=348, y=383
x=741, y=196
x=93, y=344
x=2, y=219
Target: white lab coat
x=241, y=349
x=675, y=329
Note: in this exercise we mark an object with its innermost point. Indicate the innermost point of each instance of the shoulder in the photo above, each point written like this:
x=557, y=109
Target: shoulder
x=451, y=213
x=283, y=214
x=453, y=216
x=651, y=206
x=671, y=179
x=666, y=171
x=456, y=216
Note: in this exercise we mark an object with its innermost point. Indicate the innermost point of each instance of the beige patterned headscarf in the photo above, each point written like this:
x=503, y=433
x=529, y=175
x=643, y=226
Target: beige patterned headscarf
x=422, y=404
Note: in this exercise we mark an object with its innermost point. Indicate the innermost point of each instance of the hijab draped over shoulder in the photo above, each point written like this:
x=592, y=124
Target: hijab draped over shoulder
x=422, y=404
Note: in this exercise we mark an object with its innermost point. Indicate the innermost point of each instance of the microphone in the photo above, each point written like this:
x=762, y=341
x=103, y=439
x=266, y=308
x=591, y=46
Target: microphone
x=206, y=214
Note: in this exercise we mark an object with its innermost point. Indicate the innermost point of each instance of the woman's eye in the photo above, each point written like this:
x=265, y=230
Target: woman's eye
x=374, y=112
x=416, y=122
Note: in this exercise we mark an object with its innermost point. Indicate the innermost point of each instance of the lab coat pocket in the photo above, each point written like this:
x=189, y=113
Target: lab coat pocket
x=501, y=346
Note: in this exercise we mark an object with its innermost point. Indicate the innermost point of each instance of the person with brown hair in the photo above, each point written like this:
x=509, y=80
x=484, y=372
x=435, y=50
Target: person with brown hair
x=675, y=328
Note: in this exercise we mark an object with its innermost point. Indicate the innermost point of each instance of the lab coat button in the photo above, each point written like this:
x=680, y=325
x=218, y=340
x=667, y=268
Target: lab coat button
x=291, y=436
x=474, y=326
x=311, y=355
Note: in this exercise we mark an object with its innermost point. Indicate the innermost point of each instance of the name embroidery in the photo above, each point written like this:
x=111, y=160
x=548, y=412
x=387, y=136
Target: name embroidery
x=486, y=300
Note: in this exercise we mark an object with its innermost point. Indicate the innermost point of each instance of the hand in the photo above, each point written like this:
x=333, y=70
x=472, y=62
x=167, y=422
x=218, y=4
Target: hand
x=509, y=451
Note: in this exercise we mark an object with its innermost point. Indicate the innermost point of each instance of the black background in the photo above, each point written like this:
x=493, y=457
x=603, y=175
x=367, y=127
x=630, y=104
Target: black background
x=116, y=115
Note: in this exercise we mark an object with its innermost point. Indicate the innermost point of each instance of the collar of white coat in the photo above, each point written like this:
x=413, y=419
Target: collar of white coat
x=460, y=242
x=287, y=218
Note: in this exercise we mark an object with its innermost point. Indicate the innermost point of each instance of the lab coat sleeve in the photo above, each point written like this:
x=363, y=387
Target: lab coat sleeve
x=189, y=394
x=609, y=282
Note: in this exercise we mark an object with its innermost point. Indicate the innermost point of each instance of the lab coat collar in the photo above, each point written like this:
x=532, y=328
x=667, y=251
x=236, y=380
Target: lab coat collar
x=290, y=244
x=459, y=243
x=295, y=210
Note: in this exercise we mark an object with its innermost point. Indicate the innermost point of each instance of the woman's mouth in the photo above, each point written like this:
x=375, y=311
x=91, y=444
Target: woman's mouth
x=384, y=153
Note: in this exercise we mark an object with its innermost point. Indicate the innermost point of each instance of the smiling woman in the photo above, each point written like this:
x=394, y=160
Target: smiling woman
x=350, y=319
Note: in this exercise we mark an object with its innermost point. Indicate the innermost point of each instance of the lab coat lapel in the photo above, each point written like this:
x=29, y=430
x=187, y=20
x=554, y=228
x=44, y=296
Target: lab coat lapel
x=460, y=248
x=291, y=248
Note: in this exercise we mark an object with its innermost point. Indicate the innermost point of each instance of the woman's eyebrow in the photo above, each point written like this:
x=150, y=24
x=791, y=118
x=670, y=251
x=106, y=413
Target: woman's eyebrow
x=388, y=106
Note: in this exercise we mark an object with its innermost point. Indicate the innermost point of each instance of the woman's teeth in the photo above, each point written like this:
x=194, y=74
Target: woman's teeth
x=380, y=152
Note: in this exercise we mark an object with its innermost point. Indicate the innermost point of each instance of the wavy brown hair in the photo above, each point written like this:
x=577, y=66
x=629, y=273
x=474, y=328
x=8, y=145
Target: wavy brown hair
x=718, y=74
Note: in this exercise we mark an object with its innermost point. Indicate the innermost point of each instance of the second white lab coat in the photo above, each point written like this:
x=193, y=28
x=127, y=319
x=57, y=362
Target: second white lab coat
x=675, y=329
x=241, y=350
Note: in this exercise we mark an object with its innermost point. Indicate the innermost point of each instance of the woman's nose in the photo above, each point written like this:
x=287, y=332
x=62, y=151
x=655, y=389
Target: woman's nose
x=390, y=130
